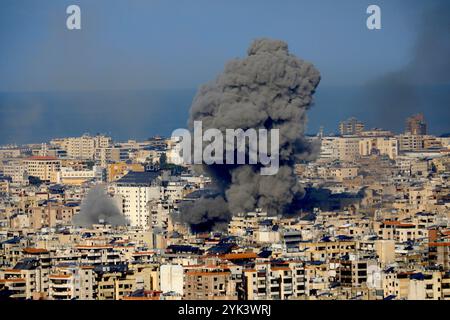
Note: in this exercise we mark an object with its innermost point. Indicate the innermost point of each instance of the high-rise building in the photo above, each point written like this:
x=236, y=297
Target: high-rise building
x=351, y=126
x=135, y=191
x=416, y=125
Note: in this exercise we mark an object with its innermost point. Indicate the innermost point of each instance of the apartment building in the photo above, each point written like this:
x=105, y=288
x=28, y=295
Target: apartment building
x=17, y=170
x=42, y=167
x=70, y=176
x=108, y=155
x=82, y=147
x=352, y=273
x=339, y=148
x=171, y=278
x=379, y=145
x=398, y=231
x=409, y=142
x=416, y=125
x=209, y=284
x=351, y=126
x=134, y=192
x=277, y=282
x=69, y=283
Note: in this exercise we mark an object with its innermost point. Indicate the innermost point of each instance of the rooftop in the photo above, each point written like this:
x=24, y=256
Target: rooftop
x=134, y=178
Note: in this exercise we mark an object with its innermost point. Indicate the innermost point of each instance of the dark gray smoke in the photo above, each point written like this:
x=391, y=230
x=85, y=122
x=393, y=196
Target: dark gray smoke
x=97, y=206
x=270, y=88
x=205, y=213
x=398, y=94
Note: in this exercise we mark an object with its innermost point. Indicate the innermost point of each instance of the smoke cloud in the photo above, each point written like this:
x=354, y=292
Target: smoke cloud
x=96, y=206
x=398, y=94
x=270, y=89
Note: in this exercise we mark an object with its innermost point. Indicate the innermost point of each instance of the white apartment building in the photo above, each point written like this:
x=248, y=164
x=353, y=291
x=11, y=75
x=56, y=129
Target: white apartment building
x=135, y=203
x=329, y=148
x=171, y=278
x=135, y=192
x=71, y=176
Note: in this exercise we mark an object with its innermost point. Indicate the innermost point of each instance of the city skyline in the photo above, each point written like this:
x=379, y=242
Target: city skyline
x=321, y=130
x=226, y=151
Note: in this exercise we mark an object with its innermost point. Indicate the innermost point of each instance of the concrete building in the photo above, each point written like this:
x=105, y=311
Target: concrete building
x=71, y=176
x=72, y=283
x=416, y=125
x=408, y=142
x=44, y=168
x=348, y=148
x=275, y=282
x=17, y=170
x=82, y=147
x=351, y=126
x=379, y=145
x=329, y=148
x=171, y=279
x=108, y=155
x=135, y=191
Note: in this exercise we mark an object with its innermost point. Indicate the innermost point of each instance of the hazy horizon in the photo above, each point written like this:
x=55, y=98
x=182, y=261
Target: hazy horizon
x=160, y=111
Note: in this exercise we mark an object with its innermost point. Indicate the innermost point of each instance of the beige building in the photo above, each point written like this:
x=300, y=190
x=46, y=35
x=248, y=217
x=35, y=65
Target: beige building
x=16, y=170
x=351, y=127
x=209, y=285
x=380, y=145
x=348, y=148
x=339, y=148
x=343, y=173
x=42, y=167
x=111, y=154
x=82, y=147
x=385, y=250
x=278, y=282
x=408, y=142
x=71, y=176
x=72, y=283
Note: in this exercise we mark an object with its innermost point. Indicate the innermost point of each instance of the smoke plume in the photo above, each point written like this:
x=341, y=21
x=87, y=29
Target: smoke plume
x=98, y=206
x=270, y=89
x=397, y=95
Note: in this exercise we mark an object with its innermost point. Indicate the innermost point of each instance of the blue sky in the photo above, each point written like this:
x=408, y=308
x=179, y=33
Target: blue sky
x=138, y=44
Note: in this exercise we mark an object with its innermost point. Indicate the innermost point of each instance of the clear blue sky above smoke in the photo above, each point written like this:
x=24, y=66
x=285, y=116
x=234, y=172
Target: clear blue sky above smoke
x=146, y=44
x=142, y=45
